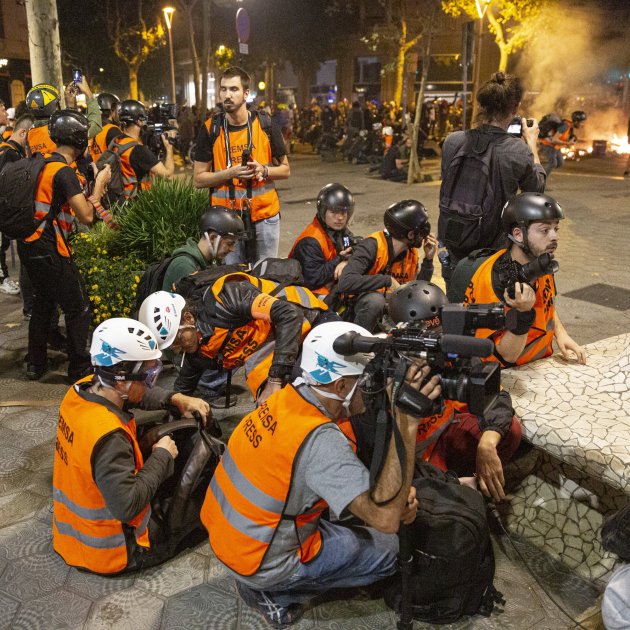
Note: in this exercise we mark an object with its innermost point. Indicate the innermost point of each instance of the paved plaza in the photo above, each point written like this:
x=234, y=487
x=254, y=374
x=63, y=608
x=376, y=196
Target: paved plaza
x=37, y=589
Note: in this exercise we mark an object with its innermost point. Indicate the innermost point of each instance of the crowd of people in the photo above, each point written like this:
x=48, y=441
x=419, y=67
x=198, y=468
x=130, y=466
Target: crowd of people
x=291, y=507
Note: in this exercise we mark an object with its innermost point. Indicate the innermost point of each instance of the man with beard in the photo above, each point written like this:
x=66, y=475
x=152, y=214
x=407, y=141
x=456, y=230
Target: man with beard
x=531, y=221
x=238, y=156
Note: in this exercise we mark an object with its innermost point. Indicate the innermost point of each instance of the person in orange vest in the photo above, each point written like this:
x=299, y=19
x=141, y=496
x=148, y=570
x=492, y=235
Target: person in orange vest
x=102, y=486
x=46, y=254
x=291, y=459
x=323, y=248
x=232, y=325
x=221, y=144
x=11, y=150
x=109, y=129
x=531, y=222
x=137, y=162
x=453, y=438
x=384, y=260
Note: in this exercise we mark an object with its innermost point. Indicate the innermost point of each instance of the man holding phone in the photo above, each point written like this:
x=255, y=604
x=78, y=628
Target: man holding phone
x=238, y=156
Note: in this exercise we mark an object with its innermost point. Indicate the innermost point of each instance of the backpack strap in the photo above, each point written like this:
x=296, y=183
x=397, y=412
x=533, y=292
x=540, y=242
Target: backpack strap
x=390, y=255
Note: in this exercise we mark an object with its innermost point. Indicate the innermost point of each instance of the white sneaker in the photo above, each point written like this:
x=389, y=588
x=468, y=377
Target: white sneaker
x=9, y=286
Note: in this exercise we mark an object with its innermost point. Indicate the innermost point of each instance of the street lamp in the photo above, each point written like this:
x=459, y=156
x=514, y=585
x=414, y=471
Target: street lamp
x=168, y=18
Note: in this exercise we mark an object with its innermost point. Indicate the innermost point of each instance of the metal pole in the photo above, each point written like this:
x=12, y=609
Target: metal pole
x=464, y=74
x=477, y=72
x=170, y=46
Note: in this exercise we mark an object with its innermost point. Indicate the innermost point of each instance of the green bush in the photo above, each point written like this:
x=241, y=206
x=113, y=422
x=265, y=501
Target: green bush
x=160, y=220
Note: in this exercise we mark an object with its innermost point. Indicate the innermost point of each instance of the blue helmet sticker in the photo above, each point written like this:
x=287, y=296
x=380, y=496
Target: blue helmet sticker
x=325, y=369
x=108, y=355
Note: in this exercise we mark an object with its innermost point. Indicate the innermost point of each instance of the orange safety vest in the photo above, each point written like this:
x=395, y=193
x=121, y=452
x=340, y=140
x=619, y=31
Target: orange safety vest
x=63, y=221
x=403, y=271
x=246, y=499
x=7, y=133
x=122, y=146
x=431, y=428
x=233, y=347
x=85, y=533
x=264, y=202
x=38, y=140
x=316, y=231
x=539, y=342
x=98, y=144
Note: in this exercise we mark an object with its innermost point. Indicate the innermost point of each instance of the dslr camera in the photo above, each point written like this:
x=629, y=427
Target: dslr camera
x=452, y=354
x=160, y=119
x=511, y=272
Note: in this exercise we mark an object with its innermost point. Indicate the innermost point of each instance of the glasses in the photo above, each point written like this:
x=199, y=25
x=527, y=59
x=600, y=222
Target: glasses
x=151, y=374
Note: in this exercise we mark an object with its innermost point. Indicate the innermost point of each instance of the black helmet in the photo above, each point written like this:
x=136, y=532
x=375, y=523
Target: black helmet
x=405, y=216
x=222, y=221
x=578, y=116
x=107, y=102
x=69, y=128
x=337, y=197
x=132, y=112
x=42, y=100
x=528, y=207
x=416, y=301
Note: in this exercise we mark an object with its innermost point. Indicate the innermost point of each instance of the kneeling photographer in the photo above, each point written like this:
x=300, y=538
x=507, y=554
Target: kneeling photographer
x=473, y=431
x=522, y=277
x=137, y=161
x=289, y=460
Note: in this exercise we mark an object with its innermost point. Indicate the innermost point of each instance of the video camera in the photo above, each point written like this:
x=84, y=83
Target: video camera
x=159, y=121
x=452, y=355
x=511, y=272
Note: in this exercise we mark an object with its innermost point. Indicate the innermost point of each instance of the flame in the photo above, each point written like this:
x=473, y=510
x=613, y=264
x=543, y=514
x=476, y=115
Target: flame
x=619, y=144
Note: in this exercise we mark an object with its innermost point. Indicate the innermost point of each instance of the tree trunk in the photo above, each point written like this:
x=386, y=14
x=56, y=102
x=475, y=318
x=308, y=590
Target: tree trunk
x=400, y=64
x=133, y=83
x=499, y=37
x=202, y=105
x=414, y=163
x=503, y=59
x=43, y=42
x=192, y=45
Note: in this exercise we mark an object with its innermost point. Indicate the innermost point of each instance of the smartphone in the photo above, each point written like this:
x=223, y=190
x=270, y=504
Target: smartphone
x=246, y=157
x=77, y=77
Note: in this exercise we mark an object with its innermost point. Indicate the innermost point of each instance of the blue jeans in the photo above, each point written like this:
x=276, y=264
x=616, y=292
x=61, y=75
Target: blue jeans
x=616, y=602
x=267, y=241
x=350, y=556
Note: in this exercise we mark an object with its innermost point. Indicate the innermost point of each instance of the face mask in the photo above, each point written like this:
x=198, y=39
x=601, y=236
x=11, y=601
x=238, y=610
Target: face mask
x=345, y=402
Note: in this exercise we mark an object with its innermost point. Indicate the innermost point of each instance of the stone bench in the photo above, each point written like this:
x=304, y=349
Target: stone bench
x=578, y=419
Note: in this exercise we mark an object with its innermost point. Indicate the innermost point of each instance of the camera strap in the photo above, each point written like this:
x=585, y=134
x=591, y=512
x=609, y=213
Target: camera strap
x=228, y=159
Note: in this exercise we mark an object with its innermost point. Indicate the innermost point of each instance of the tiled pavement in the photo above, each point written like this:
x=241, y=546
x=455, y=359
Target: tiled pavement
x=37, y=590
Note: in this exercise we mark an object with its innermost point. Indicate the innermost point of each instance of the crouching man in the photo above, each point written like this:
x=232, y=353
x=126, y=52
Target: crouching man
x=102, y=487
x=288, y=461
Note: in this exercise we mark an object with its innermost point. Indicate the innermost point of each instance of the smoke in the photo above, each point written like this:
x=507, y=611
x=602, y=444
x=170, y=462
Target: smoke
x=564, y=67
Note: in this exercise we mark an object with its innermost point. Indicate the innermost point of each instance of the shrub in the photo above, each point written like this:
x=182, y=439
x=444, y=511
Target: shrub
x=160, y=220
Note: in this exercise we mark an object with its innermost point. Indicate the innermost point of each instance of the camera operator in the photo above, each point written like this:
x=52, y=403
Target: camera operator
x=324, y=247
x=291, y=457
x=386, y=259
x=454, y=438
x=109, y=128
x=517, y=167
x=531, y=222
x=137, y=162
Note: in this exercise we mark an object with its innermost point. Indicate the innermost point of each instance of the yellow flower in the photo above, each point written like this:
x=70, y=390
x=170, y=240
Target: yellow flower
x=104, y=252
x=134, y=286
x=137, y=279
x=94, y=287
x=126, y=310
x=97, y=299
x=98, y=249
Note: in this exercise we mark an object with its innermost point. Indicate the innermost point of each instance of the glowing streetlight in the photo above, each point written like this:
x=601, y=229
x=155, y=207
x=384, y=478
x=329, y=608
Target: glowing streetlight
x=482, y=7
x=261, y=86
x=168, y=18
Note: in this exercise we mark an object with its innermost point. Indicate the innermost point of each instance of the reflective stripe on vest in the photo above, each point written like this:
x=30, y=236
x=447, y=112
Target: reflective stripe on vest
x=539, y=343
x=431, y=428
x=246, y=500
x=265, y=202
x=403, y=271
x=316, y=231
x=123, y=146
x=85, y=533
x=62, y=223
x=245, y=340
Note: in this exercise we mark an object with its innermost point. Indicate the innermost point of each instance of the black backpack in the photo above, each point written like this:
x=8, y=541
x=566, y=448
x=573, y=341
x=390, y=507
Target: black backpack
x=464, y=272
x=115, y=187
x=193, y=286
x=453, y=563
x=471, y=196
x=153, y=277
x=18, y=185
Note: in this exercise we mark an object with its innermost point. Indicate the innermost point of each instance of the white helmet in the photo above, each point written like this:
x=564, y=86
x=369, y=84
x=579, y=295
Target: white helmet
x=122, y=339
x=321, y=363
x=162, y=313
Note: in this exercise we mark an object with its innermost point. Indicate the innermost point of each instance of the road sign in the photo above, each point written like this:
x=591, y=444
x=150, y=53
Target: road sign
x=243, y=49
x=242, y=26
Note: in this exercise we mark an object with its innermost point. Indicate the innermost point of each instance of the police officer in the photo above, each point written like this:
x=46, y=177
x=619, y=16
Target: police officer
x=386, y=259
x=46, y=254
x=324, y=246
x=137, y=161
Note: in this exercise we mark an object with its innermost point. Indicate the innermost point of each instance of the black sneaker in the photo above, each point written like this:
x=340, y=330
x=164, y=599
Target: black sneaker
x=35, y=372
x=277, y=616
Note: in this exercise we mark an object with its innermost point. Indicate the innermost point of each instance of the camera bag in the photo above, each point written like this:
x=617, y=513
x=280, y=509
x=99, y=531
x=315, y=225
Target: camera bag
x=471, y=195
x=115, y=187
x=18, y=185
x=452, y=569
x=464, y=273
